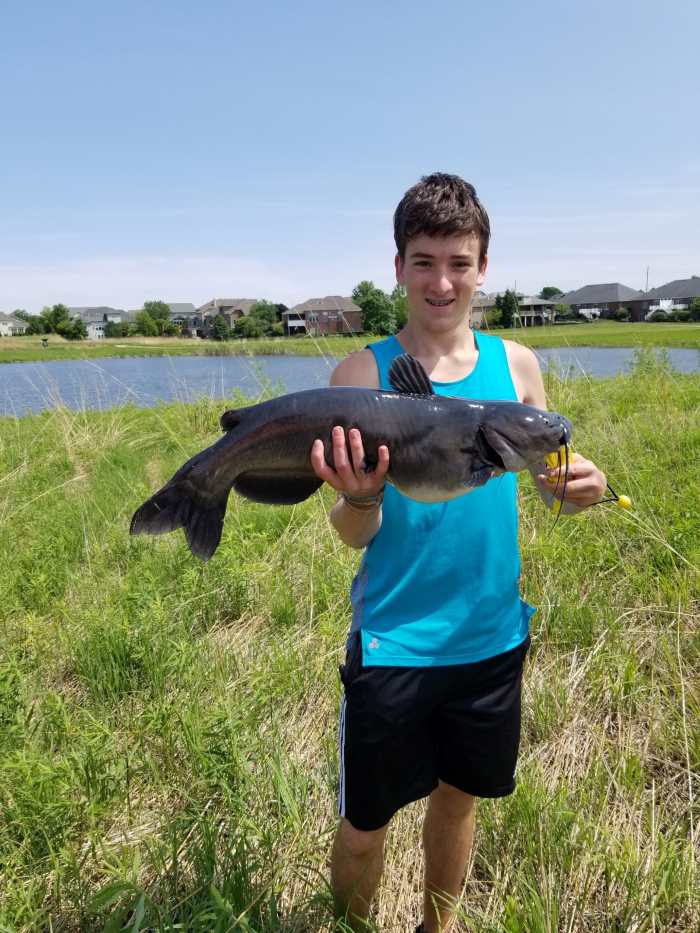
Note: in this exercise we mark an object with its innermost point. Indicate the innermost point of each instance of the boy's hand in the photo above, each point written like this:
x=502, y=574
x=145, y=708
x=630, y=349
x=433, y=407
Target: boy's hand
x=585, y=483
x=349, y=474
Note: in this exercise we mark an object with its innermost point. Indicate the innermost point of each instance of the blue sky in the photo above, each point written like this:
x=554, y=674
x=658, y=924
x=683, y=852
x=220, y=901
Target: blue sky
x=185, y=151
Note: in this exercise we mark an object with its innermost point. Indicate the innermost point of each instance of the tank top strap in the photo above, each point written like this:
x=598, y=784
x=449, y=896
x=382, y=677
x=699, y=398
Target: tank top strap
x=385, y=352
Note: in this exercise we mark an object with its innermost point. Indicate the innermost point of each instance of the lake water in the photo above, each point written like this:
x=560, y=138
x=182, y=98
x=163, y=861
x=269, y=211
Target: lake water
x=145, y=381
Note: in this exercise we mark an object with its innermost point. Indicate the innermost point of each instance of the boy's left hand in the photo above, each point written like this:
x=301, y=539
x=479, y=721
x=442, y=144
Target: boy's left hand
x=585, y=483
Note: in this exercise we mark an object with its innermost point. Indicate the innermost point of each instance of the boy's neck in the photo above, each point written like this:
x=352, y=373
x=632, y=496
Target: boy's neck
x=455, y=343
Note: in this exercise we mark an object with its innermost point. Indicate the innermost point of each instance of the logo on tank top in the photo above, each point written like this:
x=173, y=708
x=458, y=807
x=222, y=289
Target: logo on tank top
x=374, y=644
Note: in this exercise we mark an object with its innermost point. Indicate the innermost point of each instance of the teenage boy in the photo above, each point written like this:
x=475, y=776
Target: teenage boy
x=439, y=632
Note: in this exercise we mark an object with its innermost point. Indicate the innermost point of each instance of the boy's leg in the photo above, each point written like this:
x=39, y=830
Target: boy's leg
x=356, y=867
x=448, y=831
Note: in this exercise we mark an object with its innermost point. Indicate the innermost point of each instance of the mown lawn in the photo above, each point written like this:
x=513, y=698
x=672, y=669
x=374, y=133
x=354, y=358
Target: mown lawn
x=168, y=728
x=598, y=334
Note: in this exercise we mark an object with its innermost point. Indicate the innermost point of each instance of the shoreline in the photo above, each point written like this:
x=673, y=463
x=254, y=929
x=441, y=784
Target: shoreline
x=605, y=334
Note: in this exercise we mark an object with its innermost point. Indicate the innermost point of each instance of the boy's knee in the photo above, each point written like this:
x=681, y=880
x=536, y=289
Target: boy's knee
x=357, y=842
x=452, y=800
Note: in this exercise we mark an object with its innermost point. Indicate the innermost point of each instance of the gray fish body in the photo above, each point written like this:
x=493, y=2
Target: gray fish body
x=439, y=448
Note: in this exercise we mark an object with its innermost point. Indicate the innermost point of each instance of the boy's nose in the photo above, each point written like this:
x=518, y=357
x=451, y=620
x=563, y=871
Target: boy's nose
x=441, y=283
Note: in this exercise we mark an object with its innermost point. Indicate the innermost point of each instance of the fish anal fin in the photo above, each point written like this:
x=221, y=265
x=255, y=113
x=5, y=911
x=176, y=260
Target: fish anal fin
x=230, y=419
x=407, y=375
x=276, y=488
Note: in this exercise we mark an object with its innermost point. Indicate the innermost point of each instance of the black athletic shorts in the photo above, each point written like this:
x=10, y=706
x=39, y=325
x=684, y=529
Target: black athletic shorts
x=404, y=728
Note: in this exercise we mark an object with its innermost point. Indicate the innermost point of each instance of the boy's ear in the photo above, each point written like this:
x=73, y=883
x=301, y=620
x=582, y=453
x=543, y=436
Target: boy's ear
x=398, y=266
x=483, y=266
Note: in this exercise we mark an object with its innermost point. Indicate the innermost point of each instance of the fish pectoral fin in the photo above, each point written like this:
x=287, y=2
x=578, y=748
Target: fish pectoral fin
x=230, y=419
x=276, y=488
x=407, y=375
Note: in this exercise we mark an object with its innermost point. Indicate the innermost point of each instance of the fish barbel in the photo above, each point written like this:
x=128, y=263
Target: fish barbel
x=439, y=448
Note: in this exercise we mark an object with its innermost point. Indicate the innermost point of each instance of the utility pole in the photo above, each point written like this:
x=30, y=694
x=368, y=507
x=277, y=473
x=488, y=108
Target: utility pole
x=647, y=288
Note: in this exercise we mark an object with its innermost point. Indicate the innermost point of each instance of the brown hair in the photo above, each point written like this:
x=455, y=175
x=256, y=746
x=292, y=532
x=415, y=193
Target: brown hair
x=441, y=205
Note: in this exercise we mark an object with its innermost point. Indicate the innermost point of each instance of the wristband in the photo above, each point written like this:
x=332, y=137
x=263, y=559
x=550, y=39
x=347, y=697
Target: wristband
x=364, y=503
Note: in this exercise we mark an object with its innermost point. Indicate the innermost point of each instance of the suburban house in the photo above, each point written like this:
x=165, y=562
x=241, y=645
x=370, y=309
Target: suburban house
x=330, y=315
x=231, y=309
x=96, y=317
x=674, y=295
x=593, y=301
x=531, y=311
x=11, y=326
x=185, y=316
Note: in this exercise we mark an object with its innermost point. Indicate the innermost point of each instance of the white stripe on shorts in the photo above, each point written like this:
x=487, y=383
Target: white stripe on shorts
x=341, y=749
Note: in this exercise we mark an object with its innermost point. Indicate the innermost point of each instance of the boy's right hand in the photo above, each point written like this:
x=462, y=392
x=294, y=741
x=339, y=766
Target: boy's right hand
x=349, y=474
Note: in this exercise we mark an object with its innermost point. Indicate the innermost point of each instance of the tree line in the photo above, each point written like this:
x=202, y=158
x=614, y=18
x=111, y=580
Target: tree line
x=381, y=314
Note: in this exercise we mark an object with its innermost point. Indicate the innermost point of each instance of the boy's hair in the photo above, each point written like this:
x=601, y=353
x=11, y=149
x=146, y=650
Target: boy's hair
x=441, y=205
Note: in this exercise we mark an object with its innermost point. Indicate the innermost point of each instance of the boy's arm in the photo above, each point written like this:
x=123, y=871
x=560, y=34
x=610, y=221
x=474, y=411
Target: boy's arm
x=356, y=523
x=585, y=483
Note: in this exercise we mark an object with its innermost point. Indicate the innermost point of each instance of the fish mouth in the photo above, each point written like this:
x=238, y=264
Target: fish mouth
x=508, y=454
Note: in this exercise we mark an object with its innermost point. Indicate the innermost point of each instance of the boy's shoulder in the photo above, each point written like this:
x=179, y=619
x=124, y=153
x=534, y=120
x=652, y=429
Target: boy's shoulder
x=357, y=369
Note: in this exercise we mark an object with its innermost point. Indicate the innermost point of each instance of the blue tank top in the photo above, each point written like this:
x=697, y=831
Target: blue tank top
x=439, y=582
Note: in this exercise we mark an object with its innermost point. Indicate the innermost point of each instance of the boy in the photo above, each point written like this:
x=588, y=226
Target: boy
x=439, y=633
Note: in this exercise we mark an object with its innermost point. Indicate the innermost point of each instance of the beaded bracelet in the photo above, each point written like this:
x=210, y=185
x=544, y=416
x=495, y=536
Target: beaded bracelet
x=364, y=503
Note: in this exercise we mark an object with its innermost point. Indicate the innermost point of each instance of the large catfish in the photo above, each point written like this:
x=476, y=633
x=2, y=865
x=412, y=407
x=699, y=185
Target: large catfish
x=439, y=448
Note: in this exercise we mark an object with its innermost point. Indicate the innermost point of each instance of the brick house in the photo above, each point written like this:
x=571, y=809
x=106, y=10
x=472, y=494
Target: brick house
x=330, y=315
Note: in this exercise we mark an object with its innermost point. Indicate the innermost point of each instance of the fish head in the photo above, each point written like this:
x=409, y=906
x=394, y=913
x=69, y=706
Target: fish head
x=512, y=436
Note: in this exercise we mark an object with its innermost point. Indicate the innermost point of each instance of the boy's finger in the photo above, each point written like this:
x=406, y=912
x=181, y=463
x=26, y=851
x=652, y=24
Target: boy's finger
x=318, y=462
x=357, y=449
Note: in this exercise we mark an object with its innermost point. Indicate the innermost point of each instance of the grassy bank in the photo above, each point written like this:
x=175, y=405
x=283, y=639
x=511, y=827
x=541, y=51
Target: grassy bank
x=600, y=334
x=168, y=729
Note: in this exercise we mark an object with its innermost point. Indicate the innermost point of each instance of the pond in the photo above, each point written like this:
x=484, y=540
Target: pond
x=145, y=381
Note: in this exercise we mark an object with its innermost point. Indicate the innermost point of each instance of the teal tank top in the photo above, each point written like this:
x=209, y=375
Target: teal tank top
x=439, y=582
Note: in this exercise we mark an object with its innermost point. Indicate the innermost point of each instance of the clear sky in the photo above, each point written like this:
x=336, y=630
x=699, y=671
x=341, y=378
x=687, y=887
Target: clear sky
x=183, y=151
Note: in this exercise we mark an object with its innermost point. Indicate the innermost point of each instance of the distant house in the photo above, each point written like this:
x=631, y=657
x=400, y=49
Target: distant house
x=482, y=302
x=231, y=309
x=531, y=311
x=11, y=326
x=96, y=317
x=593, y=301
x=330, y=315
x=534, y=311
x=185, y=316
x=673, y=296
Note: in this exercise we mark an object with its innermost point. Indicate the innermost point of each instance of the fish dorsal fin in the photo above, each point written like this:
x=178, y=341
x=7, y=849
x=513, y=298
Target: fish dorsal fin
x=230, y=419
x=407, y=375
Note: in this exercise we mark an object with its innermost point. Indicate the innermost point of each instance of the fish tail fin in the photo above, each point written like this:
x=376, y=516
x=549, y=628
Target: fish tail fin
x=173, y=507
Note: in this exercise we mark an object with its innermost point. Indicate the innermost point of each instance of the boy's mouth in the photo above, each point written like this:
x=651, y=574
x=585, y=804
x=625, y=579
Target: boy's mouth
x=439, y=302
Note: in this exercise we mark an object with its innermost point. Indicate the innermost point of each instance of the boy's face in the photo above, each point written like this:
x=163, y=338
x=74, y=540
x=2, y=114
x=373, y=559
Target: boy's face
x=440, y=275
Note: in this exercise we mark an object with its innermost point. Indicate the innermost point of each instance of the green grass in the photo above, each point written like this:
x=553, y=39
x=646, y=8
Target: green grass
x=598, y=334
x=607, y=334
x=168, y=729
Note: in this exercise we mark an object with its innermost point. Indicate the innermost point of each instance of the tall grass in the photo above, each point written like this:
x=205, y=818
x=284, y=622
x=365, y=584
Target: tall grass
x=168, y=729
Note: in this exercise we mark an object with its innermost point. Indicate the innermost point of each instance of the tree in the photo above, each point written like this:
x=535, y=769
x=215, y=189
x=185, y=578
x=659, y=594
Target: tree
x=76, y=330
x=507, y=304
x=220, y=329
x=35, y=322
x=400, y=303
x=250, y=327
x=57, y=319
x=378, y=316
x=159, y=312
x=145, y=325
x=550, y=291
x=267, y=314
x=117, y=329
x=695, y=310
x=564, y=313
